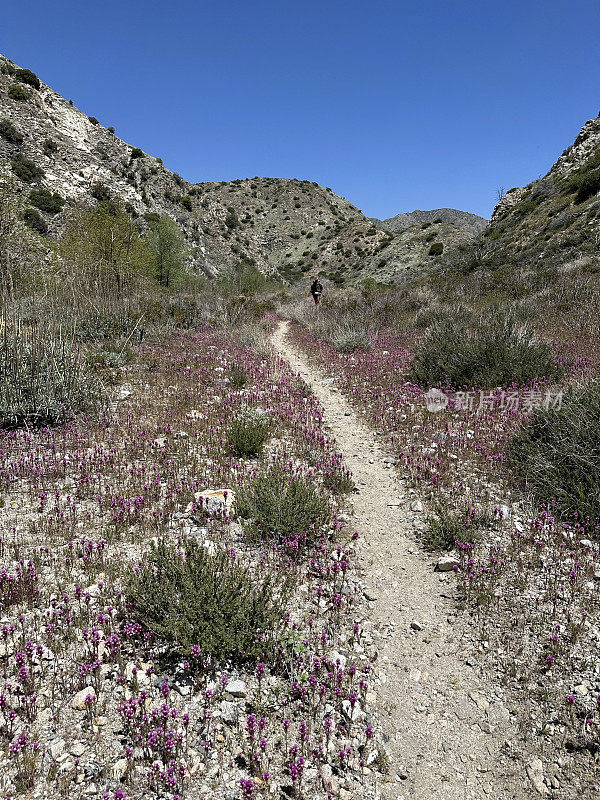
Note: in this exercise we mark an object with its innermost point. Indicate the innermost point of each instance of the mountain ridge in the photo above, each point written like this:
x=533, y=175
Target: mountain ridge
x=452, y=216
x=282, y=226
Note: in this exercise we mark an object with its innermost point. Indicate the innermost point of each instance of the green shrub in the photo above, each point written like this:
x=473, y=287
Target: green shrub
x=282, y=505
x=50, y=147
x=231, y=220
x=493, y=350
x=238, y=377
x=110, y=129
x=137, y=152
x=10, y=133
x=191, y=597
x=46, y=201
x=186, y=202
x=248, y=433
x=42, y=380
x=100, y=192
x=584, y=181
x=350, y=338
x=588, y=186
x=446, y=526
x=94, y=121
x=16, y=92
x=112, y=355
x=339, y=481
x=97, y=326
x=25, y=169
x=35, y=221
x=28, y=77
x=556, y=454
x=436, y=249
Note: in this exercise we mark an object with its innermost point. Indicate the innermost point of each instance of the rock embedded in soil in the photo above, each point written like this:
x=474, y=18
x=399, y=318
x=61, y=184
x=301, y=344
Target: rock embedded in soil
x=78, y=702
x=535, y=773
x=446, y=563
x=214, y=501
x=237, y=688
x=229, y=712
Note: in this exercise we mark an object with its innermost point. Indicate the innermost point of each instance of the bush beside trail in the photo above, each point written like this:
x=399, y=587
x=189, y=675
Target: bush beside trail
x=556, y=454
x=496, y=350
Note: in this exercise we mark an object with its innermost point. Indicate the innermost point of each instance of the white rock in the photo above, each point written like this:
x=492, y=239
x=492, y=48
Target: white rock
x=416, y=506
x=446, y=563
x=229, y=712
x=535, y=772
x=119, y=769
x=78, y=702
x=353, y=714
x=335, y=656
x=214, y=500
x=57, y=748
x=237, y=688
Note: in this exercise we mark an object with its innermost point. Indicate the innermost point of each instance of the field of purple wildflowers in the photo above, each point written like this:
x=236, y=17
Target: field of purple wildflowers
x=528, y=579
x=93, y=702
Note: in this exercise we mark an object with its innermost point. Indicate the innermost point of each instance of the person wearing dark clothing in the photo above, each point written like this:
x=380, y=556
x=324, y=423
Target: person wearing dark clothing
x=316, y=289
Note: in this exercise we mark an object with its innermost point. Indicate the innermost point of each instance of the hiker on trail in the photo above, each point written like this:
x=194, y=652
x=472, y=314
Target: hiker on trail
x=316, y=289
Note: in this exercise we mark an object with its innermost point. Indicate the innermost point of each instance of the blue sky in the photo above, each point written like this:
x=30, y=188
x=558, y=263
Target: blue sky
x=394, y=105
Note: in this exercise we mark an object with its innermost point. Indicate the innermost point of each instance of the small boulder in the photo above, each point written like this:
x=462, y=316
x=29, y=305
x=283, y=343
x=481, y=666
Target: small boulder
x=229, y=712
x=119, y=769
x=237, y=688
x=353, y=714
x=79, y=701
x=57, y=748
x=446, y=563
x=535, y=773
x=214, y=501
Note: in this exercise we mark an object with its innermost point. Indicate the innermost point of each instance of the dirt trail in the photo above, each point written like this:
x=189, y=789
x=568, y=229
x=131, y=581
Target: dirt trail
x=445, y=726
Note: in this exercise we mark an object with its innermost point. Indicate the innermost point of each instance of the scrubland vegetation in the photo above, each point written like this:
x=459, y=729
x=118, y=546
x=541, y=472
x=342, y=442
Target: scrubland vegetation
x=159, y=641
x=507, y=464
x=182, y=616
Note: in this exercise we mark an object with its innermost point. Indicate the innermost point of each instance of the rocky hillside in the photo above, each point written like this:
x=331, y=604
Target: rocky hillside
x=555, y=218
x=451, y=216
x=59, y=156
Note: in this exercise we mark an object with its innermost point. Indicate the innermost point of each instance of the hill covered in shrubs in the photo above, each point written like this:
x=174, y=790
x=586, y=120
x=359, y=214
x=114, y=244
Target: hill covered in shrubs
x=60, y=156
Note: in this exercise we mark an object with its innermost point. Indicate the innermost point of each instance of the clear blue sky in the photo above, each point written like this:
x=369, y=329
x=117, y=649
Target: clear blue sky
x=395, y=105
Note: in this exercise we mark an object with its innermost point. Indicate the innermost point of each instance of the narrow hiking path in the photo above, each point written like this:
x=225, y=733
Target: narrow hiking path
x=445, y=728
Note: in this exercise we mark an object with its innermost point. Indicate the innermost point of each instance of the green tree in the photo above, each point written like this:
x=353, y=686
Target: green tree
x=168, y=251
x=21, y=251
x=103, y=250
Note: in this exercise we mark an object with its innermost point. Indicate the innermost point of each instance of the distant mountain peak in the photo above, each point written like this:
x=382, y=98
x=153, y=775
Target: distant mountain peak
x=451, y=216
